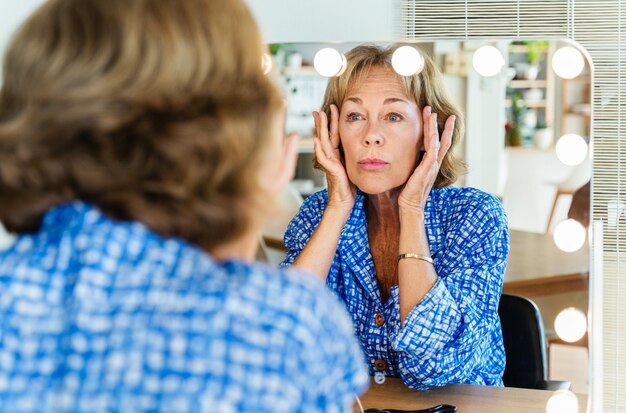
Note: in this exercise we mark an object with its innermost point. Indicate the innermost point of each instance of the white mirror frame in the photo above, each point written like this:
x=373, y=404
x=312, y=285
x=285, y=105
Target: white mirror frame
x=599, y=28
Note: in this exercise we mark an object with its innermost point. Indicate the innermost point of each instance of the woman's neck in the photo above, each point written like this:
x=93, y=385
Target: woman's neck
x=382, y=209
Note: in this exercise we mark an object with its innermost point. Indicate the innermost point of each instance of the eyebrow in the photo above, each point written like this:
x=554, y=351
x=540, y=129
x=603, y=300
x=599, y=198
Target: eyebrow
x=386, y=102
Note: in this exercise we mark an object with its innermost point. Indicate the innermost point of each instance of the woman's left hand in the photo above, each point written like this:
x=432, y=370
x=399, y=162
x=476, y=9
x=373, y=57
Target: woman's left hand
x=417, y=188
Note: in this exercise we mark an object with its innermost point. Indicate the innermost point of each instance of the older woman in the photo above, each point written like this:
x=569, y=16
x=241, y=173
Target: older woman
x=419, y=264
x=136, y=138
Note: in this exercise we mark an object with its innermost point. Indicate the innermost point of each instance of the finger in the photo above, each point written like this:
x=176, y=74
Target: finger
x=446, y=137
x=320, y=155
x=334, y=126
x=324, y=138
x=431, y=137
x=425, y=121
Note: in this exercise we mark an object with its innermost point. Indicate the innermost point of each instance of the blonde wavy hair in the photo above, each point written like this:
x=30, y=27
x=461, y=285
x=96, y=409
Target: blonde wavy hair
x=153, y=111
x=426, y=88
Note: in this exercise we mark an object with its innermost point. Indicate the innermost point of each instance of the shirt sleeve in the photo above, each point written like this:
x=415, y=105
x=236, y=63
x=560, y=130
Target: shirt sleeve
x=450, y=333
x=329, y=355
x=302, y=226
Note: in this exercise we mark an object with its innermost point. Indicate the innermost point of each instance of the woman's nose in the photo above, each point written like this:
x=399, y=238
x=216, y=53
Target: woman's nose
x=374, y=139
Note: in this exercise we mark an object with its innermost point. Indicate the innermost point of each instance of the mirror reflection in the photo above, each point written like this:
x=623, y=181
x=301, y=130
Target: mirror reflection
x=520, y=125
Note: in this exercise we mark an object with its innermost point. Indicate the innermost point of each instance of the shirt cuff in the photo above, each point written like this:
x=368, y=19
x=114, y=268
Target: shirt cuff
x=430, y=325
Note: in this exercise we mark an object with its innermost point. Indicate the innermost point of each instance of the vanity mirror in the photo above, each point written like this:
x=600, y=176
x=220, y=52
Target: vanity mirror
x=525, y=175
x=596, y=26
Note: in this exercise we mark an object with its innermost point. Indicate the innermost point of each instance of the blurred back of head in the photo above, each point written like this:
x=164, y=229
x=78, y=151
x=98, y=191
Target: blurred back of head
x=155, y=111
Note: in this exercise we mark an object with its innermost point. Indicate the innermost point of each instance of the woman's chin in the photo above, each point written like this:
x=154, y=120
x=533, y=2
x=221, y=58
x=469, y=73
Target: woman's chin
x=375, y=188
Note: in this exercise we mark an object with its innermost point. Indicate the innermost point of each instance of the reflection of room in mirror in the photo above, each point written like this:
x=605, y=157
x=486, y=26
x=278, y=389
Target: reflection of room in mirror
x=527, y=177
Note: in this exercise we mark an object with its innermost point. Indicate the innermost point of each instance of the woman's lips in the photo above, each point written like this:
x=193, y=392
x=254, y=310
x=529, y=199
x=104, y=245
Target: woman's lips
x=372, y=164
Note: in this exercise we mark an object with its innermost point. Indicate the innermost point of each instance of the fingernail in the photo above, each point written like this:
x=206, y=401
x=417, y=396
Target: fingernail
x=429, y=110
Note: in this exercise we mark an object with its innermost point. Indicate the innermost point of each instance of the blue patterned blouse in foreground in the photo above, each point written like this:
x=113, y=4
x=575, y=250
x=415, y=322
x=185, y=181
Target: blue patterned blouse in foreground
x=103, y=316
x=453, y=335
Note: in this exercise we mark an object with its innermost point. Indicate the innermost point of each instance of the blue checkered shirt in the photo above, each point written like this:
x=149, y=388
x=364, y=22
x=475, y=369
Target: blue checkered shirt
x=453, y=335
x=105, y=316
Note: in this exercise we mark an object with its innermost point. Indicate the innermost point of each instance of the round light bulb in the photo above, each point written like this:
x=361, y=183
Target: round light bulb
x=571, y=149
x=328, y=62
x=567, y=62
x=487, y=61
x=407, y=61
x=569, y=235
x=570, y=324
x=266, y=63
x=562, y=401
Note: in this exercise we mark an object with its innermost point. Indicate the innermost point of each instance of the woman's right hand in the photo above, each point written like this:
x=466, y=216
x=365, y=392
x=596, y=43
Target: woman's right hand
x=341, y=192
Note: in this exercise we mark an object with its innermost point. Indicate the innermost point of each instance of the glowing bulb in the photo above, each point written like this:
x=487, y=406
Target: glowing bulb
x=487, y=61
x=328, y=62
x=569, y=235
x=568, y=62
x=407, y=61
x=570, y=324
x=562, y=401
x=571, y=149
x=266, y=63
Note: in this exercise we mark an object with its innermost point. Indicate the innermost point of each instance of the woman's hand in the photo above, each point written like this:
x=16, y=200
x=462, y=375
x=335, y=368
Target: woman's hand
x=417, y=188
x=341, y=192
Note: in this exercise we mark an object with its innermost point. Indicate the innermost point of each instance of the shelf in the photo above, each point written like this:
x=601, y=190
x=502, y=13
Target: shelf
x=528, y=84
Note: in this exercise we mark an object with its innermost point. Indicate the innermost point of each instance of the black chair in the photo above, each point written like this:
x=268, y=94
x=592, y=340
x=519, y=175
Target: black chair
x=525, y=345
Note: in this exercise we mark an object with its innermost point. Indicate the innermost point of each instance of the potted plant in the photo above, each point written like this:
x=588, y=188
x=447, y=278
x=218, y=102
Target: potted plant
x=534, y=53
x=542, y=136
x=514, y=136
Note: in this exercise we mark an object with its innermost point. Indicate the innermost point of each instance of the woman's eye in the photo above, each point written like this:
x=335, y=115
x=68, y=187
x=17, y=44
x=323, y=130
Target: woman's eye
x=354, y=117
x=394, y=117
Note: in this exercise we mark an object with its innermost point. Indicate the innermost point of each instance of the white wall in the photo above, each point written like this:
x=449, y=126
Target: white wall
x=289, y=21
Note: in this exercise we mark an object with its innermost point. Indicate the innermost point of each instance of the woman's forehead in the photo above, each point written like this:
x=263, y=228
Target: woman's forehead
x=380, y=81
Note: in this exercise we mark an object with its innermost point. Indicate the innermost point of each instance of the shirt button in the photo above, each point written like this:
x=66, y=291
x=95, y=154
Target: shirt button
x=380, y=365
x=380, y=319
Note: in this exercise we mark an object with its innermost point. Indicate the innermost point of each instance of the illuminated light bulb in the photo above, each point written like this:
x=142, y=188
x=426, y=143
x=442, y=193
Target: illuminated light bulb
x=328, y=62
x=487, y=61
x=570, y=324
x=266, y=63
x=407, y=61
x=567, y=62
x=569, y=235
x=571, y=149
x=562, y=401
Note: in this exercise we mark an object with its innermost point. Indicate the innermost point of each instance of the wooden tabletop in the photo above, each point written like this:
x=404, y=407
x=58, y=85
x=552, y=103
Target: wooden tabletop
x=536, y=266
x=393, y=394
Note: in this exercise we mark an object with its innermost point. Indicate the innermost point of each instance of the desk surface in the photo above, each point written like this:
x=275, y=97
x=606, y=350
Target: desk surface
x=393, y=394
x=536, y=266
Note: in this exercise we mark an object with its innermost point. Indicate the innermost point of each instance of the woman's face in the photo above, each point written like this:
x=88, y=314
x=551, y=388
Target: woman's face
x=380, y=128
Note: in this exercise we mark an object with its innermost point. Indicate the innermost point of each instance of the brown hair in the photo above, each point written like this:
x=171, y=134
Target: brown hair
x=426, y=88
x=154, y=111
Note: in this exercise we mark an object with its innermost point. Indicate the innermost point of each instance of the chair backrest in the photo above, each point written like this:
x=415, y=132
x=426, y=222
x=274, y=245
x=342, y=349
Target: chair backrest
x=524, y=342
